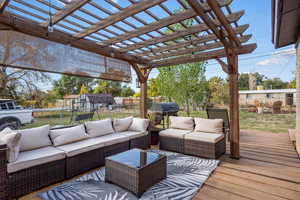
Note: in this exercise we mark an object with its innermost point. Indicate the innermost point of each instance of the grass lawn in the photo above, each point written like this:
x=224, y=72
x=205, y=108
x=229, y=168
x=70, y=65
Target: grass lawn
x=277, y=123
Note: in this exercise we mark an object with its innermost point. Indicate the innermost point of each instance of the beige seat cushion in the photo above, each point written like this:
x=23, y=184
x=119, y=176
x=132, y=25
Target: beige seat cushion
x=184, y=123
x=176, y=133
x=35, y=157
x=122, y=124
x=83, y=146
x=205, y=137
x=133, y=134
x=68, y=135
x=111, y=139
x=99, y=128
x=139, y=124
x=12, y=140
x=34, y=138
x=209, y=125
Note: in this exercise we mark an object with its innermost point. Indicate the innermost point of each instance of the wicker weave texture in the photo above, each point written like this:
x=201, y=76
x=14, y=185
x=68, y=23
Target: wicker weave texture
x=136, y=180
x=171, y=144
x=83, y=162
x=31, y=179
x=116, y=148
x=3, y=173
x=204, y=149
x=140, y=142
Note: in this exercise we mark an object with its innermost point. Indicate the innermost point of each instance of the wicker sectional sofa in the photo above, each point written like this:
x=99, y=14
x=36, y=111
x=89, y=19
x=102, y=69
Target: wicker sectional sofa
x=194, y=136
x=62, y=159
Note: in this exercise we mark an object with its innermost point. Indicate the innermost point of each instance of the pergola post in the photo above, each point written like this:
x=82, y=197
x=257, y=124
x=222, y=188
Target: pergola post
x=297, y=134
x=143, y=99
x=232, y=58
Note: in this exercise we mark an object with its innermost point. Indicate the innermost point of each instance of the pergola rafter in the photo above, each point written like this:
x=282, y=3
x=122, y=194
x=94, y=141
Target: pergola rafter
x=122, y=33
x=3, y=5
x=123, y=14
x=68, y=10
x=188, y=51
x=221, y=53
x=196, y=41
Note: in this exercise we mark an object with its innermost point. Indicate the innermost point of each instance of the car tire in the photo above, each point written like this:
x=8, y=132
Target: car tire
x=12, y=124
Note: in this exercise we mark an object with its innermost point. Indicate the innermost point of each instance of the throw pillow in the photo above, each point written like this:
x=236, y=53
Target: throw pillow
x=12, y=140
x=34, y=138
x=99, y=128
x=121, y=125
x=68, y=135
x=184, y=123
x=139, y=124
x=209, y=125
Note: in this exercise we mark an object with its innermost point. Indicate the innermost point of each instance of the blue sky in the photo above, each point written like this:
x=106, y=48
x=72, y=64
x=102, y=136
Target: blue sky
x=265, y=59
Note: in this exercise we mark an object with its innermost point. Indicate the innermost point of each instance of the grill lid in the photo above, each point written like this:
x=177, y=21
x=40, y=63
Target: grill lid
x=165, y=107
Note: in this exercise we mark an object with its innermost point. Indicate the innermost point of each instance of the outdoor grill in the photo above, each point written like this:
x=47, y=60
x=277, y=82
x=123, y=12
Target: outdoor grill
x=161, y=110
x=169, y=108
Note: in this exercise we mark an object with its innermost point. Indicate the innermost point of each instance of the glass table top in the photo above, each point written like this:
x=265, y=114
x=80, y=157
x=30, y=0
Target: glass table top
x=136, y=158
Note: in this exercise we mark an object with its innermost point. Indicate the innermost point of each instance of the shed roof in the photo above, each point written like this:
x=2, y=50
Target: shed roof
x=267, y=91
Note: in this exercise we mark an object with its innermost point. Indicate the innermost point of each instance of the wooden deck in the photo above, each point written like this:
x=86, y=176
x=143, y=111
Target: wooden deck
x=268, y=169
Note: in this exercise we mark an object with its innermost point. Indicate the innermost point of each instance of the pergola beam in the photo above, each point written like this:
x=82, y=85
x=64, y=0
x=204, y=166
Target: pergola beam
x=119, y=16
x=3, y=5
x=195, y=49
x=182, y=33
x=198, y=8
x=68, y=10
x=32, y=28
x=194, y=41
x=223, y=20
x=244, y=49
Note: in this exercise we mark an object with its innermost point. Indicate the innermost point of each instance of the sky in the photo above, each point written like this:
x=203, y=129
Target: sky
x=265, y=59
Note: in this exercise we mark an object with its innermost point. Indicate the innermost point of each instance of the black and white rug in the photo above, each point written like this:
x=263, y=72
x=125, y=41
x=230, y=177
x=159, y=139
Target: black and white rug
x=185, y=176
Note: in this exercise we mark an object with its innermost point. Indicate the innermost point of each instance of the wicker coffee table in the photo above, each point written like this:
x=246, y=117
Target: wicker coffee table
x=135, y=170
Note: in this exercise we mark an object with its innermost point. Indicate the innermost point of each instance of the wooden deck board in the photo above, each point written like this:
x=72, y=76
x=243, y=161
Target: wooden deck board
x=269, y=168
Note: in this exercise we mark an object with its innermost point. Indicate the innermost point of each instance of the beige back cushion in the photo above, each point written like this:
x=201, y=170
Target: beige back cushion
x=99, y=128
x=123, y=124
x=184, y=123
x=12, y=140
x=209, y=125
x=34, y=138
x=68, y=135
x=139, y=124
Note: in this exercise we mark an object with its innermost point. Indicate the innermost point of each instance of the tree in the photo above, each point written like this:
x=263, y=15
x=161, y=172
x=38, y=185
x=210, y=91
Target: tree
x=275, y=83
x=72, y=85
x=108, y=87
x=293, y=82
x=244, y=80
x=83, y=90
x=218, y=91
x=184, y=84
x=15, y=82
x=127, y=92
x=153, y=90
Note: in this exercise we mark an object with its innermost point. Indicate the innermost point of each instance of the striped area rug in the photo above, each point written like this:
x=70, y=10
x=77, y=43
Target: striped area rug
x=185, y=176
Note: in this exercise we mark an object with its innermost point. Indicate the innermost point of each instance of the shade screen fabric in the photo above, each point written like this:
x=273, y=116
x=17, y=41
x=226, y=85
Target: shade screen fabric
x=27, y=52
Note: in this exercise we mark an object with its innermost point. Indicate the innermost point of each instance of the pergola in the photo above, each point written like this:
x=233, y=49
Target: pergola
x=146, y=44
